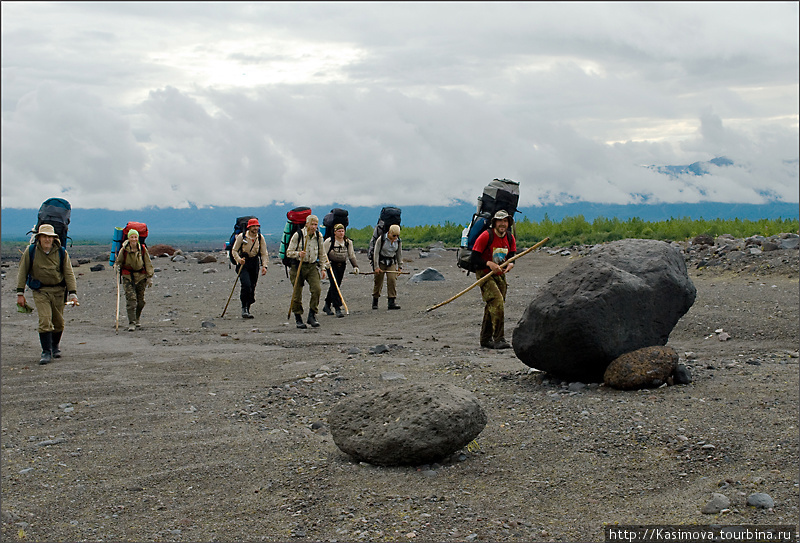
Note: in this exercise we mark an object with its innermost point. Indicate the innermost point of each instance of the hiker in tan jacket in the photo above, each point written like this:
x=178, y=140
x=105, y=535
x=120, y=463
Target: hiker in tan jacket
x=49, y=275
x=310, y=261
x=136, y=273
x=250, y=250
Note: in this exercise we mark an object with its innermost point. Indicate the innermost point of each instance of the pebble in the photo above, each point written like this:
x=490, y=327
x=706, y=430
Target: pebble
x=760, y=500
x=379, y=349
x=718, y=503
x=392, y=376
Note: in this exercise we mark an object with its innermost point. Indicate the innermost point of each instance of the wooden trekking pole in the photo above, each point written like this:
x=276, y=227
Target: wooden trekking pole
x=486, y=277
x=296, y=279
x=333, y=278
x=119, y=280
x=241, y=267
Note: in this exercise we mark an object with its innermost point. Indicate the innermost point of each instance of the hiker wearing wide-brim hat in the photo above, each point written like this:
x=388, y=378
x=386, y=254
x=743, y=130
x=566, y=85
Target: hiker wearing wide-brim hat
x=250, y=253
x=491, y=249
x=46, y=269
x=339, y=250
x=136, y=273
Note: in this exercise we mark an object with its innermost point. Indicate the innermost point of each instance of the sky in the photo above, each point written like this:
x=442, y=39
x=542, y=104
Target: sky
x=126, y=105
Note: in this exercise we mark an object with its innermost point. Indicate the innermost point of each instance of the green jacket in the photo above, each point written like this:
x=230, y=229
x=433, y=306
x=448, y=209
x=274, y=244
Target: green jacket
x=46, y=268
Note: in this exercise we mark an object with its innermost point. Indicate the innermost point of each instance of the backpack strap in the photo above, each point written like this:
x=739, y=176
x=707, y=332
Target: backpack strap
x=32, y=252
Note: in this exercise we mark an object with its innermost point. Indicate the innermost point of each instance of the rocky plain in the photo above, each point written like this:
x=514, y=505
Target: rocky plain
x=202, y=427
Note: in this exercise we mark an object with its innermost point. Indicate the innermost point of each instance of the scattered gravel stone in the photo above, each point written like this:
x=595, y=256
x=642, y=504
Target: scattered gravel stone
x=718, y=503
x=759, y=500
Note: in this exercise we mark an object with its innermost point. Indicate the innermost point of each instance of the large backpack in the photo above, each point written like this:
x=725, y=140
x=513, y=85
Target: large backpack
x=55, y=212
x=295, y=221
x=239, y=226
x=389, y=216
x=336, y=216
x=498, y=194
x=139, y=227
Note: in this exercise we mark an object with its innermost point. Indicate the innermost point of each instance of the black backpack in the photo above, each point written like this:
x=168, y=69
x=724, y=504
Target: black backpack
x=499, y=194
x=55, y=212
x=388, y=217
x=239, y=227
x=336, y=216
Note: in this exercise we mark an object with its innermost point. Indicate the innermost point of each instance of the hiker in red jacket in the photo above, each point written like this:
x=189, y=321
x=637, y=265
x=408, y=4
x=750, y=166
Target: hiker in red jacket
x=493, y=247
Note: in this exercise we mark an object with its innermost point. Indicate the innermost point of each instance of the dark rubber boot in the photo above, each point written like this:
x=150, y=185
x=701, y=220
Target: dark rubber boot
x=46, y=339
x=393, y=304
x=312, y=320
x=298, y=318
x=56, y=351
x=339, y=312
x=327, y=309
x=374, y=303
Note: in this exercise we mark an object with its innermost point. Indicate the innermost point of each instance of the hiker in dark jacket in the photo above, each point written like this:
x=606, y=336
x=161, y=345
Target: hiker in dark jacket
x=339, y=249
x=250, y=250
x=52, y=282
x=493, y=247
x=387, y=260
x=136, y=273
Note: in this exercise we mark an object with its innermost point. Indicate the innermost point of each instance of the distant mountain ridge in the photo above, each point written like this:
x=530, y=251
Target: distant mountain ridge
x=217, y=222
x=695, y=168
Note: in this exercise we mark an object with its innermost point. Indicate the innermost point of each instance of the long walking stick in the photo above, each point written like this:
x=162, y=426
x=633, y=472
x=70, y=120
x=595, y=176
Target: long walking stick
x=296, y=279
x=116, y=321
x=232, y=289
x=486, y=277
x=333, y=278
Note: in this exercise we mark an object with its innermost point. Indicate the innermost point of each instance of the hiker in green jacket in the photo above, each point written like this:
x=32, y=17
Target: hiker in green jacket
x=49, y=275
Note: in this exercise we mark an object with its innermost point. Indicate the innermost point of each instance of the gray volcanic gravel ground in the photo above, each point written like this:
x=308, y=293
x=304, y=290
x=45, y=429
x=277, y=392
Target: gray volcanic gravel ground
x=185, y=431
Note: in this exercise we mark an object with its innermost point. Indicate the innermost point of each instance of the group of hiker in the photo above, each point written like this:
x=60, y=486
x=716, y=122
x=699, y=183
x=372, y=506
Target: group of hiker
x=46, y=269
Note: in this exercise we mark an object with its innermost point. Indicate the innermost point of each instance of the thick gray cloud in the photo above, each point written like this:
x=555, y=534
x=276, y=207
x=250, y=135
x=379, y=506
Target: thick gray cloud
x=125, y=105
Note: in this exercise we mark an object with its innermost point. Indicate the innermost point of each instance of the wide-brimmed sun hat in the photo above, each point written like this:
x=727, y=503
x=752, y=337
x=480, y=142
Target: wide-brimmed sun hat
x=500, y=215
x=47, y=230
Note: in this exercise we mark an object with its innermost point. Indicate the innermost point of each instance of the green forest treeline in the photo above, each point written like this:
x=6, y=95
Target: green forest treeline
x=578, y=231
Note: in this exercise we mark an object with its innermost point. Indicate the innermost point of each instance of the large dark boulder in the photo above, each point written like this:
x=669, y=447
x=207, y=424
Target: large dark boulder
x=623, y=296
x=407, y=424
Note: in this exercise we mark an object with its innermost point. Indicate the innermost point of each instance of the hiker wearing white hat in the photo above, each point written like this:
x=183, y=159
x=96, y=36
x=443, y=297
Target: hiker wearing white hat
x=387, y=257
x=491, y=249
x=46, y=269
x=136, y=273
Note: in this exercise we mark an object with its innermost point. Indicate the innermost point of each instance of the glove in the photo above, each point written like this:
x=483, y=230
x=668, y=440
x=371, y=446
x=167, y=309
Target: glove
x=355, y=271
x=149, y=282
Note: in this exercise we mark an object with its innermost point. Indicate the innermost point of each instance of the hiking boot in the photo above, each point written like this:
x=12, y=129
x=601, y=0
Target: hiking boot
x=339, y=312
x=46, y=339
x=374, y=303
x=137, y=325
x=131, y=327
x=312, y=320
x=502, y=344
x=327, y=309
x=56, y=339
x=393, y=304
x=487, y=344
x=298, y=318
